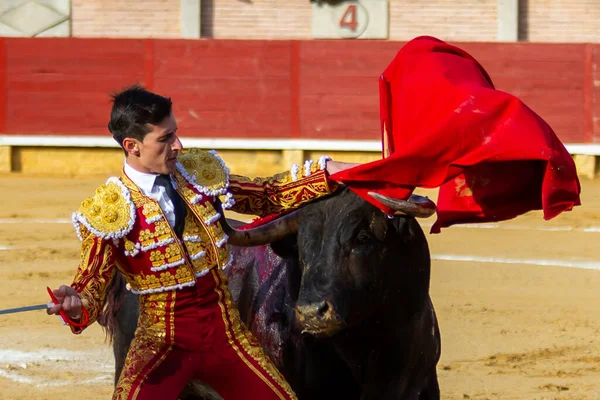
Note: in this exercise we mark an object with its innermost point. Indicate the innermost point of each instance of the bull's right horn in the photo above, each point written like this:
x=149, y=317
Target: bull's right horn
x=264, y=234
x=416, y=206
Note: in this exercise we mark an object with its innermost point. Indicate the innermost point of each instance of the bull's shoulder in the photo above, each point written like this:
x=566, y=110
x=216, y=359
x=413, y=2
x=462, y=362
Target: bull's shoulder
x=109, y=213
x=205, y=169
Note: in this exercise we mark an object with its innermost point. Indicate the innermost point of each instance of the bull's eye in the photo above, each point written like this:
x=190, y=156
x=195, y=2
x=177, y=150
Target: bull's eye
x=363, y=237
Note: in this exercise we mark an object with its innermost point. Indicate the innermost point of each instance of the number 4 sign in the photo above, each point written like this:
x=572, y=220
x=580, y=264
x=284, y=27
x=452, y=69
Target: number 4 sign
x=365, y=19
x=350, y=21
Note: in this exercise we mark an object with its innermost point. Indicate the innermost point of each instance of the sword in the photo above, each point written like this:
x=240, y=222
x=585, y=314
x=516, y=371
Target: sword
x=62, y=316
x=28, y=308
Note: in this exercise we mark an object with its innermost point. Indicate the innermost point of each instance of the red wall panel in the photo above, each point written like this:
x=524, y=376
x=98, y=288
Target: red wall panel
x=269, y=89
x=339, y=90
x=227, y=88
x=61, y=86
x=340, y=93
x=2, y=85
x=546, y=77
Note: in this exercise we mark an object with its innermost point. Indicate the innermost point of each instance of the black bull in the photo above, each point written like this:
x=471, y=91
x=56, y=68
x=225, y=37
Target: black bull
x=342, y=307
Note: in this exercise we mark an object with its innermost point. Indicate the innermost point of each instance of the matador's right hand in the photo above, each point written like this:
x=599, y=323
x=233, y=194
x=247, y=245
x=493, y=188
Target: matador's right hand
x=68, y=301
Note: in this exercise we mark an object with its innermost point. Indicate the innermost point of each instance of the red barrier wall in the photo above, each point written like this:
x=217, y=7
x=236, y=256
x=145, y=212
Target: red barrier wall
x=269, y=89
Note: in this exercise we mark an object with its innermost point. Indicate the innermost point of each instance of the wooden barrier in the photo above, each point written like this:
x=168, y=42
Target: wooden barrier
x=290, y=90
x=268, y=89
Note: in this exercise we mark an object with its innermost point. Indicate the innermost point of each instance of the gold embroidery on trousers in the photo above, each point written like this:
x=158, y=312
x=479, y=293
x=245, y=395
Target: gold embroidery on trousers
x=238, y=333
x=151, y=344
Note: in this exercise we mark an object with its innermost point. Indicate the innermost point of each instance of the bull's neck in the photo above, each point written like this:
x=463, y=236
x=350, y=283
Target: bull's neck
x=360, y=345
x=386, y=344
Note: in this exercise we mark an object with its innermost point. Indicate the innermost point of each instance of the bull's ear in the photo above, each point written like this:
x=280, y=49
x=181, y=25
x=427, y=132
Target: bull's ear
x=379, y=226
x=286, y=247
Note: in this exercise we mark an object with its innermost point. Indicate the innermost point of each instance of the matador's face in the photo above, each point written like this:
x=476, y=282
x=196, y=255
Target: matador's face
x=157, y=153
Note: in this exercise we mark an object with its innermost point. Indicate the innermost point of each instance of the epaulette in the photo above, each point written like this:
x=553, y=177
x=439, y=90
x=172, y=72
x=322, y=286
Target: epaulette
x=207, y=172
x=109, y=214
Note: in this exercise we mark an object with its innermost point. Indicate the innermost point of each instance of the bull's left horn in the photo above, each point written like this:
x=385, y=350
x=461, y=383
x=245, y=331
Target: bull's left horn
x=416, y=206
x=264, y=234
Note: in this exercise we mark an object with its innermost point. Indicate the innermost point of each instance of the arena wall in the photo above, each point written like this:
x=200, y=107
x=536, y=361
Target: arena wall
x=314, y=89
x=254, y=90
x=469, y=20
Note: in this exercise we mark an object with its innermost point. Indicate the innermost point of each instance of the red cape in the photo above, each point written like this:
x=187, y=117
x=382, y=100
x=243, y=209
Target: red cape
x=445, y=125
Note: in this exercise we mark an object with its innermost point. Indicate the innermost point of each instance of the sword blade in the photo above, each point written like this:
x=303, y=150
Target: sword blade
x=23, y=309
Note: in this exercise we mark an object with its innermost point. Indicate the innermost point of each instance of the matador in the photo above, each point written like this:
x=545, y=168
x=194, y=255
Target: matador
x=157, y=224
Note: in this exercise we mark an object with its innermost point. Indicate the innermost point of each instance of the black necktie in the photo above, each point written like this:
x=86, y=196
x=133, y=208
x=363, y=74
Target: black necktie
x=178, y=203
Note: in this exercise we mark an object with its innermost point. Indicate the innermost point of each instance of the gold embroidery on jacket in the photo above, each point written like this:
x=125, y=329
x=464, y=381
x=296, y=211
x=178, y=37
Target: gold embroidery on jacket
x=151, y=210
x=109, y=213
x=280, y=179
x=166, y=255
x=185, y=191
x=216, y=231
x=224, y=256
x=96, y=269
x=130, y=247
x=169, y=277
x=214, y=244
x=264, y=196
x=205, y=168
x=162, y=232
x=205, y=211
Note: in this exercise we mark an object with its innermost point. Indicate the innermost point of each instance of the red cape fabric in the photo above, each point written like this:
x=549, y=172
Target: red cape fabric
x=492, y=157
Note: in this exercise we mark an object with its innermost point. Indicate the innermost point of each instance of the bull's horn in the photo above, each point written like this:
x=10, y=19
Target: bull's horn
x=416, y=206
x=264, y=234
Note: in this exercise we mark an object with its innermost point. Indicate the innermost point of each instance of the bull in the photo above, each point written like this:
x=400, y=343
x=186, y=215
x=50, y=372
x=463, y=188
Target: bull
x=344, y=311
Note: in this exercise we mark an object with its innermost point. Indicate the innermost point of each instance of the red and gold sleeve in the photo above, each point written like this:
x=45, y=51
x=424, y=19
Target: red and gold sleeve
x=281, y=192
x=94, y=274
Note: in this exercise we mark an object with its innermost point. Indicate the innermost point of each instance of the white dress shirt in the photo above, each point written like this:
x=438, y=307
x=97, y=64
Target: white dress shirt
x=146, y=184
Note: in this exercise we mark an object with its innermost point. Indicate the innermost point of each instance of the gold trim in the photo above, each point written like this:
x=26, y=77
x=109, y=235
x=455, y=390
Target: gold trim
x=233, y=325
x=205, y=169
x=156, y=313
x=168, y=279
x=215, y=255
x=94, y=274
x=110, y=213
x=265, y=196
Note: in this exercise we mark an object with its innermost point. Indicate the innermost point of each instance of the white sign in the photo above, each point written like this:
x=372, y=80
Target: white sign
x=363, y=19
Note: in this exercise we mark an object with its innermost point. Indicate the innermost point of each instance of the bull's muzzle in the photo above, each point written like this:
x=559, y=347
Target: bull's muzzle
x=318, y=319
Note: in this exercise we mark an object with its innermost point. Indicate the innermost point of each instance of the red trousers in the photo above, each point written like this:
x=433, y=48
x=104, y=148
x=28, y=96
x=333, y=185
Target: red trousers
x=196, y=333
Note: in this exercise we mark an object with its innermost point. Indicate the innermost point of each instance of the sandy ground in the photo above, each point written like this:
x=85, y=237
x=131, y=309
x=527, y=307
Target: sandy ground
x=517, y=302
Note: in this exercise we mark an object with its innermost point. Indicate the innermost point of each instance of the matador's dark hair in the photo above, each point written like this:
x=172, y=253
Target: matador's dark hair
x=133, y=109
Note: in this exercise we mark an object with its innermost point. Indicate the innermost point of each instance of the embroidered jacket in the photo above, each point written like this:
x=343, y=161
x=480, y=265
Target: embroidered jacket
x=121, y=228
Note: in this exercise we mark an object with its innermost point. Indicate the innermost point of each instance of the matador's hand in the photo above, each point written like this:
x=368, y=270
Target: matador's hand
x=337, y=166
x=69, y=301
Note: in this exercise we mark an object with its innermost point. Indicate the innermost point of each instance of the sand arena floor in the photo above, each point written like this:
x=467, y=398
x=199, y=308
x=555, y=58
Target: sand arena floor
x=517, y=302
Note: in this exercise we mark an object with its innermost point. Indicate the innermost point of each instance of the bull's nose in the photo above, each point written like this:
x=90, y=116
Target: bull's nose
x=322, y=308
x=318, y=319
x=320, y=311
